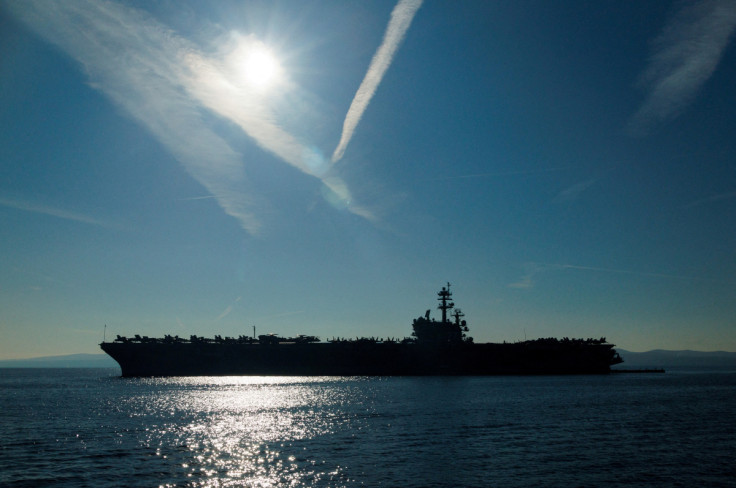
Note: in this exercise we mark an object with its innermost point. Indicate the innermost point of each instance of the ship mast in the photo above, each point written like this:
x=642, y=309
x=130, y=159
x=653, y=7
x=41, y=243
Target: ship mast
x=444, y=296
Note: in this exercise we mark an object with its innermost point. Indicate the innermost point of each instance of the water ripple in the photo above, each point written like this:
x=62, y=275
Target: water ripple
x=86, y=428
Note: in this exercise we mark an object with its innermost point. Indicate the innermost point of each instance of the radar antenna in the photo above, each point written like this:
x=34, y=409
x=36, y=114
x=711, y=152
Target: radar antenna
x=444, y=297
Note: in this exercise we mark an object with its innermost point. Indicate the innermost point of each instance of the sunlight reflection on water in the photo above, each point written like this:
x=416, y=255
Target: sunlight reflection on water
x=78, y=429
x=231, y=430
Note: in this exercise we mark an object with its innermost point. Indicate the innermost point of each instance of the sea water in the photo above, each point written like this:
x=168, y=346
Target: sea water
x=89, y=427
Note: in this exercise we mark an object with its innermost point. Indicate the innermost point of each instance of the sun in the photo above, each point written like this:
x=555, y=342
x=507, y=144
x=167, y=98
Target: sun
x=261, y=68
x=248, y=61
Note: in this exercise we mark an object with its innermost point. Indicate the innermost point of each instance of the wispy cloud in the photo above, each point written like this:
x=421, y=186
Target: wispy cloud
x=499, y=173
x=622, y=271
x=532, y=270
x=527, y=281
x=85, y=331
x=228, y=309
x=401, y=18
x=136, y=62
x=204, y=197
x=53, y=212
x=283, y=314
x=573, y=192
x=684, y=56
x=711, y=199
x=166, y=83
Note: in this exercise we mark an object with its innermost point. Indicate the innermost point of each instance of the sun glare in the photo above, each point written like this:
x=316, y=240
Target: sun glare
x=261, y=67
x=249, y=61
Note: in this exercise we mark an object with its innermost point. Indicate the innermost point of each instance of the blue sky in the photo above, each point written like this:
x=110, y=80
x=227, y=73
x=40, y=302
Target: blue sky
x=567, y=166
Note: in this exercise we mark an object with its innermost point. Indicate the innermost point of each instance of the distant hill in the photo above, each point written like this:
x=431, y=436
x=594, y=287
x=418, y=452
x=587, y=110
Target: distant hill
x=659, y=358
x=68, y=361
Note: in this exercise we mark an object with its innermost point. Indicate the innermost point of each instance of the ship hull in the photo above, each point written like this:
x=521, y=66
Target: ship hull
x=357, y=358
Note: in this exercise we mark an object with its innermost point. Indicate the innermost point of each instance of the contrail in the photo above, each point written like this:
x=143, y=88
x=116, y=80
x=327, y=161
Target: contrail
x=54, y=212
x=165, y=82
x=401, y=18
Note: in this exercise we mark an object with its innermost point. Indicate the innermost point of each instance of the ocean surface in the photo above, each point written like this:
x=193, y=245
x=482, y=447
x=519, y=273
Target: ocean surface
x=89, y=427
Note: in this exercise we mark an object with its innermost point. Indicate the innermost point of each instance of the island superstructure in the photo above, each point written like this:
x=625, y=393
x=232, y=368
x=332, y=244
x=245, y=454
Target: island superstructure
x=437, y=347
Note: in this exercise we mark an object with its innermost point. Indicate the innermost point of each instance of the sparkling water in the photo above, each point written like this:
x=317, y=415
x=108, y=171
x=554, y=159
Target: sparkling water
x=89, y=427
